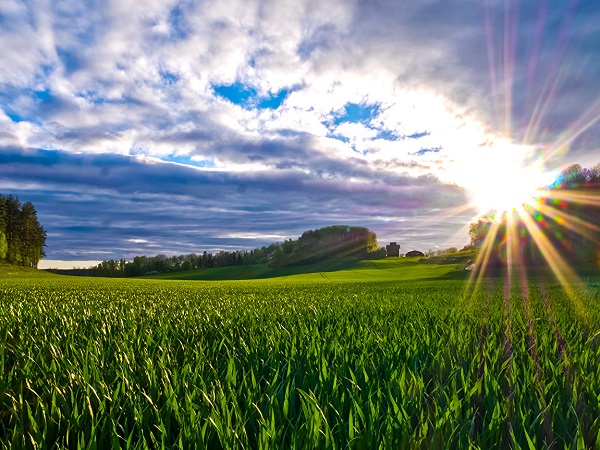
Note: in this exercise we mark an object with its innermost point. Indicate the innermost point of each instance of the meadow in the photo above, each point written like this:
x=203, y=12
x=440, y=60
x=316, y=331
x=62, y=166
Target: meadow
x=376, y=354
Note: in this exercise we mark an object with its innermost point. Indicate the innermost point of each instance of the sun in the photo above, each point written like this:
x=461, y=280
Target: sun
x=505, y=189
x=503, y=178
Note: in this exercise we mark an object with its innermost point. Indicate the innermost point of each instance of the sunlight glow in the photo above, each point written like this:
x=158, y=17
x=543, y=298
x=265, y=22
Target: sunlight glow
x=502, y=177
x=521, y=229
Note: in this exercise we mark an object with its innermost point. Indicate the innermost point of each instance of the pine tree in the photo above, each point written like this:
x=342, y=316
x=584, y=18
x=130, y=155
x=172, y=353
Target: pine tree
x=22, y=238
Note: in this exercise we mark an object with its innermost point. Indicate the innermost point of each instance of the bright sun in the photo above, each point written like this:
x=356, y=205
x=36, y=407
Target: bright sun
x=504, y=191
x=502, y=179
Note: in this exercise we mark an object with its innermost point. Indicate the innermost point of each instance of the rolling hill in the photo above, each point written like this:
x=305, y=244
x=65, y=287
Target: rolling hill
x=388, y=269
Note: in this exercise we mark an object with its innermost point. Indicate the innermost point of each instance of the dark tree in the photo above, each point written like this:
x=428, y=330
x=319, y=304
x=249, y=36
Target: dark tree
x=338, y=241
x=22, y=238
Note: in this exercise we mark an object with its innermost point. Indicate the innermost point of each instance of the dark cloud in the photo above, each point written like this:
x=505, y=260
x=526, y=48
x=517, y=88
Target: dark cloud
x=110, y=206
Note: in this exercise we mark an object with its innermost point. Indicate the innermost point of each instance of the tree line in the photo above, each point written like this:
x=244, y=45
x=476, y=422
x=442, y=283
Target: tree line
x=326, y=243
x=22, y=238
x=565, y=221
x=310, y=247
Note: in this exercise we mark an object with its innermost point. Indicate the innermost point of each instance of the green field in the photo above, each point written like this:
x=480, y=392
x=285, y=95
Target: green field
x=342, y=270
x=377, y=354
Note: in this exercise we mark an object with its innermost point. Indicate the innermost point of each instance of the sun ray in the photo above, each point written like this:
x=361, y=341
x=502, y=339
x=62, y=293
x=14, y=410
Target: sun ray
x=548, y=92
x=573, y=196
x=570, y=222
x=532, y=223
x=544, y=103
x=556, y=262
x=510, y=41
x=513, y=257
x=483, y=258
x=574, y=134
x=487, y=20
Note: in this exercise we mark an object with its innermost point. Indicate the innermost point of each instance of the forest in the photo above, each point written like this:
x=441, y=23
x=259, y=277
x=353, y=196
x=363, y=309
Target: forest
x=22, y=238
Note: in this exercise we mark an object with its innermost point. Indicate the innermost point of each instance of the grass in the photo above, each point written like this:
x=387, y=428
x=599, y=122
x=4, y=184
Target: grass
x=12, y=271
x=463, y=258
x=342, y=270
x=380, y=354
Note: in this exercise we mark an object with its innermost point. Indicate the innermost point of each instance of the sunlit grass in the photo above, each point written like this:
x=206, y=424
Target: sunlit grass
x=527, y=225
x=178, y=364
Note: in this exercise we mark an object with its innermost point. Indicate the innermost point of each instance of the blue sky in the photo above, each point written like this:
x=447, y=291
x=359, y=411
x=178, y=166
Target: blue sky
x=176, y=127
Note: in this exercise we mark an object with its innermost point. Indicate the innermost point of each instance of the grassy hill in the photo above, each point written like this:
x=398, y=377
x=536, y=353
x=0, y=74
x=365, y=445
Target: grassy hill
x=9, y=270
x=388, y=269
x=334, y=270
x=463, y=257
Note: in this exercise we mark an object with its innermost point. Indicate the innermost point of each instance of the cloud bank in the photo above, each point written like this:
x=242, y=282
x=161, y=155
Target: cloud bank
x=179, y=126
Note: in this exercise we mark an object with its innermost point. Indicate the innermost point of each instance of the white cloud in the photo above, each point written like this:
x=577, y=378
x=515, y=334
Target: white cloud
x=115, y=100
x=355, y=131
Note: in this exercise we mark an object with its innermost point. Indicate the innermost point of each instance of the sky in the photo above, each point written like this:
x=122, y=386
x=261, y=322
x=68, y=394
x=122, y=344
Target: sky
x=171, y=127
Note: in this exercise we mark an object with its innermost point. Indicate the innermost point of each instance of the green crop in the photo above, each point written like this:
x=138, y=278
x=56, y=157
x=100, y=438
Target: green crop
x=92, y=363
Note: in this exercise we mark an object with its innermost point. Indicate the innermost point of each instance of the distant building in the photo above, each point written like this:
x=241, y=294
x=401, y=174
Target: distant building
x=414, y=253
x=392, y=250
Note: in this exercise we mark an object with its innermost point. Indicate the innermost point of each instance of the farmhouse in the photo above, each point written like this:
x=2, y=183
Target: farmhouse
x=392, y=250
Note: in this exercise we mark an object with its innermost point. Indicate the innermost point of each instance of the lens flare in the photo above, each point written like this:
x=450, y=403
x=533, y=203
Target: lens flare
x=545, y=225
x=502, y=177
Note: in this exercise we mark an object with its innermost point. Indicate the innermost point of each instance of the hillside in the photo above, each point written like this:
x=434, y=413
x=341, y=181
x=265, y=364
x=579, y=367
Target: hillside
x=333, y=270
x=10, y=270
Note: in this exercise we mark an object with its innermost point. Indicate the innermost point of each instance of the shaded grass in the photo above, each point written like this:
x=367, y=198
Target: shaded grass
x=10, y=270
x=337, y=270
